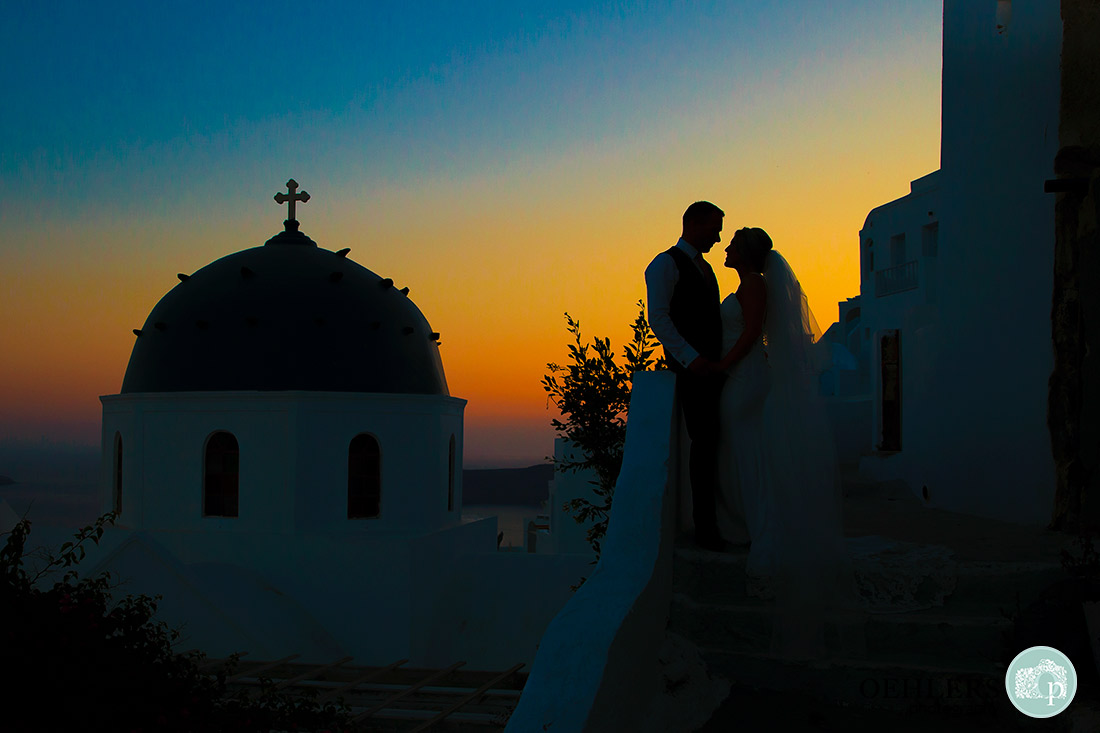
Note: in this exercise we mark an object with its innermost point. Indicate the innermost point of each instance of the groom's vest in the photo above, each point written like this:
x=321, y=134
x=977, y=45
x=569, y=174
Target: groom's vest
x=694, y=309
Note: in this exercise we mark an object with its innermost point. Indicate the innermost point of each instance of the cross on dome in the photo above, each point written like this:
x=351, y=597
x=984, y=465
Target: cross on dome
x=291, y=198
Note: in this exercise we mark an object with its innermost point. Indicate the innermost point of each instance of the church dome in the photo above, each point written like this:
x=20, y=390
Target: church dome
x=287, y=315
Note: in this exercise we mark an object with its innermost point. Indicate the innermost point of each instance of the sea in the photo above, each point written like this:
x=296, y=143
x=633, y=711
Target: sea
x=76, y=505
x=51, y=503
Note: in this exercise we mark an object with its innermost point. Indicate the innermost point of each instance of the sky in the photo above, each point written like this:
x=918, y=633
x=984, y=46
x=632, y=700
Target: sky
x=507, y=161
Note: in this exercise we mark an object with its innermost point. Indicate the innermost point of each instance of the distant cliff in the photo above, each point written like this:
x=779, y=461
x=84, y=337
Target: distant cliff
x=522, y=486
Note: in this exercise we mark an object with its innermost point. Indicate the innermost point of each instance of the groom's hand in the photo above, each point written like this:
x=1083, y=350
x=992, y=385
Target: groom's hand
x=704, y=366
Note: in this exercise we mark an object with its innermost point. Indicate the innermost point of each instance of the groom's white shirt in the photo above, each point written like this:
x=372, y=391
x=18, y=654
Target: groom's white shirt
x=660, y=280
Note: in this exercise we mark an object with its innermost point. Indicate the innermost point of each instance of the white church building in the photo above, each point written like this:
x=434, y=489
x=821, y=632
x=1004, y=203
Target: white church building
x=952, y=326
x=285, y=460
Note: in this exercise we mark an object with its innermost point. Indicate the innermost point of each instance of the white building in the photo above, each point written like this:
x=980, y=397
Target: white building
x=898, y=252
x=563, y=534
x=956, y=278
x=286, y=463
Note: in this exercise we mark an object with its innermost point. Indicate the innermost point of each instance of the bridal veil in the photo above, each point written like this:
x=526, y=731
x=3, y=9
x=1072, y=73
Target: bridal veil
x=816, y=603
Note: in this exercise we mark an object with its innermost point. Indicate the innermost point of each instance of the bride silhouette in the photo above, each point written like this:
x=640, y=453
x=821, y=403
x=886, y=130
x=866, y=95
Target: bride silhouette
x=777, y=461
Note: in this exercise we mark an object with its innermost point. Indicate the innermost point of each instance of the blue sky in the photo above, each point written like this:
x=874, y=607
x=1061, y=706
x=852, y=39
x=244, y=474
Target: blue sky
x=103, y=100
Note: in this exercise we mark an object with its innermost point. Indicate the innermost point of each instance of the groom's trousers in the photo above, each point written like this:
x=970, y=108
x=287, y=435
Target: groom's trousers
x=698, y=397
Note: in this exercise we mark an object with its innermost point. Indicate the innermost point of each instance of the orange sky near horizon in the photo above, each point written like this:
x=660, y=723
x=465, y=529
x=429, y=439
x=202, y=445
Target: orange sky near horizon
x=497, y=292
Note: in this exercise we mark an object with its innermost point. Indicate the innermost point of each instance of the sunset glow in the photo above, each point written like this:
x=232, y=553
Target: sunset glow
x=508, y=165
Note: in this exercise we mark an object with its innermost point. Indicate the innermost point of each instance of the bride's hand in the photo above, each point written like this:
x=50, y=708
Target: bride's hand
x=704, y=366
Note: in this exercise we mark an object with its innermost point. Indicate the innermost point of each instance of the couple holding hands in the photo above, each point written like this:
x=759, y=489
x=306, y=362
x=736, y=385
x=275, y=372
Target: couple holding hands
x=763, y=463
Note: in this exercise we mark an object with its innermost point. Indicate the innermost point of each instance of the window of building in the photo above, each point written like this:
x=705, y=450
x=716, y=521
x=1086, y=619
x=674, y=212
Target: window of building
x=221, y=476
x=890, y=364
x=897, y=250
x=451, y=476
x=929, y=239
x=118, y=474
x=364, y=477
x=870, y=255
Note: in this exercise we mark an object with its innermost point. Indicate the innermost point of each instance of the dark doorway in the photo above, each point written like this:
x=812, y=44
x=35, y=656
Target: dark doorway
x=891, y=391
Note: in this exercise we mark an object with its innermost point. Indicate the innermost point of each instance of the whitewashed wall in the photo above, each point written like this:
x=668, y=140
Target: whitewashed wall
x=291, y=574
x=293, y=458
x=487, y=608
x=566, y=535
x=352, y=593
x=597, y=667
x=981, y=442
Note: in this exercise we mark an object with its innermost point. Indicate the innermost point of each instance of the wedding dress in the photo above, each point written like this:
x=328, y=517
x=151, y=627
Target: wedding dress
x=777, y=467
x=742, y=471
x=778, y=476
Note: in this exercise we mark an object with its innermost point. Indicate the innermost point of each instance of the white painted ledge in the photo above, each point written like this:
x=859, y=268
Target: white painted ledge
x=597, y=664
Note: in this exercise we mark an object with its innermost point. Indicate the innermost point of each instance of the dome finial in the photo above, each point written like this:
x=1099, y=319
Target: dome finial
x=291, y=198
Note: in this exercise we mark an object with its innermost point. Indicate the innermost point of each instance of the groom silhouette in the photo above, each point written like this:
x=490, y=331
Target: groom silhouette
x=684, y=314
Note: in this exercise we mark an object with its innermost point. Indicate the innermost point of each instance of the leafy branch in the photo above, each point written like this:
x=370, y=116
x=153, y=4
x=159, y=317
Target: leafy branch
x=592, y=393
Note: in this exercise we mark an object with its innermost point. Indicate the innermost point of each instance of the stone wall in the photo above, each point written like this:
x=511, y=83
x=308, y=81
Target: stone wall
x=1074, y=403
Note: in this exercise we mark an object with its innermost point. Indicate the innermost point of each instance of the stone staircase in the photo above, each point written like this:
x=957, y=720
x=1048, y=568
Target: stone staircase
x=951, y=656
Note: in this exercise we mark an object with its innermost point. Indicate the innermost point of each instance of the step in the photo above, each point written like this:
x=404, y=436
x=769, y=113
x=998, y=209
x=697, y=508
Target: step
x=933, y=635
x=710, y=575
x=996, y=587
x=1000, y=584
x=866, y=683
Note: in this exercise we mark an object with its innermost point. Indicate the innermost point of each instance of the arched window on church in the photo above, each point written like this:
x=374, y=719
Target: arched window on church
x=364, y=477
x=220, y=475
x=118, y=474
x=451, y=476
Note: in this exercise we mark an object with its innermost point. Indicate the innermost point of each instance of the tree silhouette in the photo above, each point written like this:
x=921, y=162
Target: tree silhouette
x=592, y=392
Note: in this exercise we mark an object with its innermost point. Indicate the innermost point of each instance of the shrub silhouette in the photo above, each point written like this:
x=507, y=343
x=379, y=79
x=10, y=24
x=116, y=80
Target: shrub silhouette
x=592, y=392
x=111, y=666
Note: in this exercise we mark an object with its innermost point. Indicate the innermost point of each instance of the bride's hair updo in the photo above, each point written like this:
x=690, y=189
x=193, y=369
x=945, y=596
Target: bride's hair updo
x=755, y=244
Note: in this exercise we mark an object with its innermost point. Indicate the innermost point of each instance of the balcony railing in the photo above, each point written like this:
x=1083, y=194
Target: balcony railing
x=896, y=279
